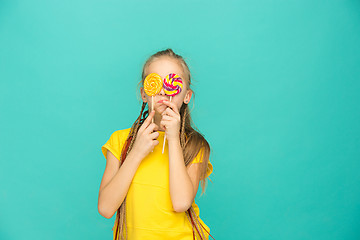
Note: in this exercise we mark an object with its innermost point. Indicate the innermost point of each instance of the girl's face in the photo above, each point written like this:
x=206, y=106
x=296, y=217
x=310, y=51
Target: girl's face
x=163, y=66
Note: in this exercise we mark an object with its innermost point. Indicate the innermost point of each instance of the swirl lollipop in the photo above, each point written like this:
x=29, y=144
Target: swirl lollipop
x=172, y=86
x=152, y=85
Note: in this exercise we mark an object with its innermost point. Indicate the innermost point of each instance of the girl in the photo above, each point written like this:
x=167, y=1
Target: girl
x=153, y=193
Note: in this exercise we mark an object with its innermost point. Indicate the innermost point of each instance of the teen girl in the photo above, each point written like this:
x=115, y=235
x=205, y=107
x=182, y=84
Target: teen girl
x=153, y=192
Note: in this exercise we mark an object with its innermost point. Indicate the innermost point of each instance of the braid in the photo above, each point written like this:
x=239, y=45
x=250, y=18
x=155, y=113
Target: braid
x=134, y=129
x=197, y=224
x=182, y=128
x=121, y=212
x=190, y=213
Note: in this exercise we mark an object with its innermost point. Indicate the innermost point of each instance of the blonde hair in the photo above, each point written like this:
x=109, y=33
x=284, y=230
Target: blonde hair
x=191, y=142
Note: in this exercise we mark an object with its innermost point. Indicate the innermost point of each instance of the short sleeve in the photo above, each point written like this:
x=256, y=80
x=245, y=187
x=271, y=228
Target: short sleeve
x=115, y=143
x=198, y=159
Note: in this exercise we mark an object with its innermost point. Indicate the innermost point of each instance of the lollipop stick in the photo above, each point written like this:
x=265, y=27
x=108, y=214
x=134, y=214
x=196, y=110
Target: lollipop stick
x=165, y=135
x=152, y=106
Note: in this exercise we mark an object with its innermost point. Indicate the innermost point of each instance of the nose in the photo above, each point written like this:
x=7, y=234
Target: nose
x=162, y=92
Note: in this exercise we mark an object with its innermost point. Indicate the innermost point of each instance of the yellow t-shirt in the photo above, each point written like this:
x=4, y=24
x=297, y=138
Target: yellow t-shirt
x=149, y=212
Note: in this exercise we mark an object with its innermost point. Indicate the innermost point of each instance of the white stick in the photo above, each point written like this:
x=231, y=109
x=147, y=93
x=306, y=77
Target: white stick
x=165, y=136
x=152, y=106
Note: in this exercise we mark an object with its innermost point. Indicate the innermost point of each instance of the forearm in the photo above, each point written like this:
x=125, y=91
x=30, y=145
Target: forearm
x=112, y=196
x=181, y=187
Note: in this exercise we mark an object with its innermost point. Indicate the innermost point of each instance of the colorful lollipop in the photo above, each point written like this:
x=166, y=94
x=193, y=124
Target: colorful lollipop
x=152, y=85
x=172, y=86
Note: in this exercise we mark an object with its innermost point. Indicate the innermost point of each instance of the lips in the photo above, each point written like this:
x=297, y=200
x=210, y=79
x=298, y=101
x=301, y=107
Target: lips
x=161, y=101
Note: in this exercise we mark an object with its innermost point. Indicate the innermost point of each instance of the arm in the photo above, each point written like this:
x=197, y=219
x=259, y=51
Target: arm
x=116, y=182
x=184, y=182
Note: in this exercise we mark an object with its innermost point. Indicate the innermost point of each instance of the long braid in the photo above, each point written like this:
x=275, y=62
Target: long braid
x=190, y=220
x=183, y=140
x=197, y=224
x=135, y=127
x=182, y=128
x=121, y=212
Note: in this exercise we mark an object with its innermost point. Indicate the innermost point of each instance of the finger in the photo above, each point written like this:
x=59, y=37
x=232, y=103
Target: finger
x=147, y=121
x=155, y=142
x=171, y=105
x=162, y=124
x=156, y=128
x=166, y=118
x=151, y=128
x=154, y=135
x=169, y=112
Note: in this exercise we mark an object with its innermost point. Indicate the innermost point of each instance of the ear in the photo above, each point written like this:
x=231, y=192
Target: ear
x=143, y=94
x=188, y=96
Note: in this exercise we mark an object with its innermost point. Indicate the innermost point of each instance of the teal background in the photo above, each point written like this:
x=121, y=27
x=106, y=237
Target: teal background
x=277, y=97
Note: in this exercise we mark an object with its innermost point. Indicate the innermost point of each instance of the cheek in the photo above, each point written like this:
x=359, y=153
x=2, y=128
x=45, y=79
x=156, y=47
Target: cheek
x=149, y=98
x=179, y=103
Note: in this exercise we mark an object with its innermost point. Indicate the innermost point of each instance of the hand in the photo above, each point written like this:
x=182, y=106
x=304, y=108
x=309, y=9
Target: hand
x=171, y=121
x=146, y=137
